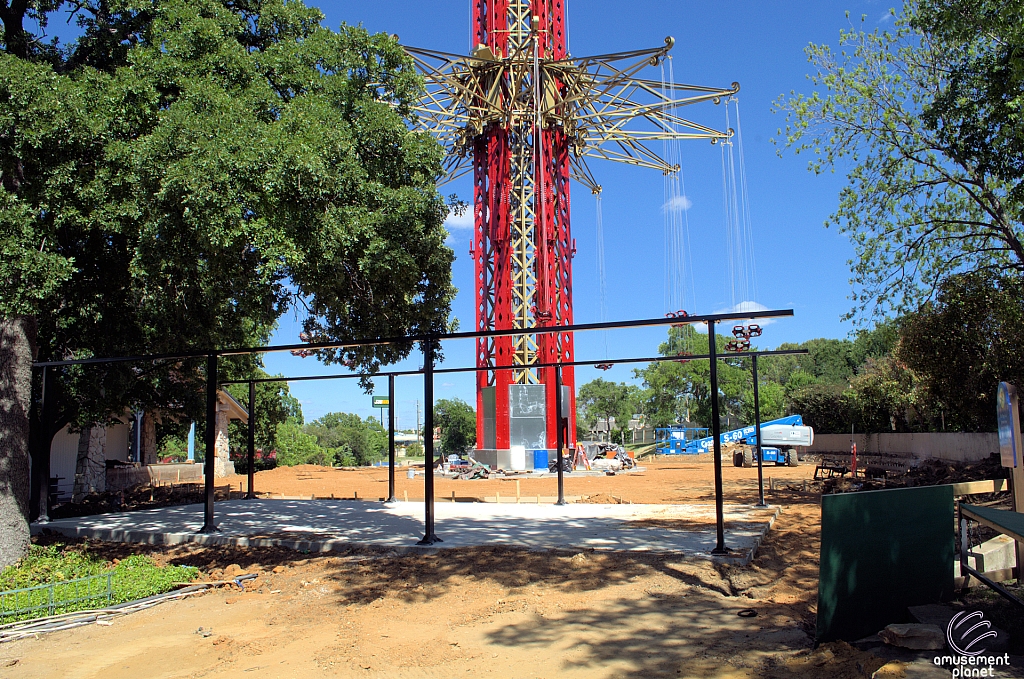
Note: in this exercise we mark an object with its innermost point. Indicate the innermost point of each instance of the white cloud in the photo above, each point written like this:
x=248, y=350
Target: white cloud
x=459, y=222
x=677, y=204
x=885, y=18
x=748, y=306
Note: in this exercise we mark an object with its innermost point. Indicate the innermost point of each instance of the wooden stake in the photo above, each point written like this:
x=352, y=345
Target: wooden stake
x=355, y=494
x=517, y=491
x=497, y=497
x=453, y=496
x=406, y=493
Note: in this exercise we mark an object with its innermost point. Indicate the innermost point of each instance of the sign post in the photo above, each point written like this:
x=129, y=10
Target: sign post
x=381, y=402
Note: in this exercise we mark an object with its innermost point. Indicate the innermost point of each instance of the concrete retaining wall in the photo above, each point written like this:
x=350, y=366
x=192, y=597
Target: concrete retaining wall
x=956, y=446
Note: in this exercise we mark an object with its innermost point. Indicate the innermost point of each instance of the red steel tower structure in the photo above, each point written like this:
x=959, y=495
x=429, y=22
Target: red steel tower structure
x=522, y=116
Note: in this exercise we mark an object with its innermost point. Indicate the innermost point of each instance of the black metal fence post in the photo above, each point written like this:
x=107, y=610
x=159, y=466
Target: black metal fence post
x=559, y=441
x=716, y=432
x=40, y=452
x=391, y=439
x=429, y=537
x=252, y=440
x=211, y=442
x=757, y=430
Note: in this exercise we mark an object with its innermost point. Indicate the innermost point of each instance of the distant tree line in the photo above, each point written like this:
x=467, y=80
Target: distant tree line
x=935, y=369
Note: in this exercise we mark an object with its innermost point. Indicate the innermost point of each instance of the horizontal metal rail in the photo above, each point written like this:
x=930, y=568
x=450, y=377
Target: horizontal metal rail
x=440, y=337
x=604, y=361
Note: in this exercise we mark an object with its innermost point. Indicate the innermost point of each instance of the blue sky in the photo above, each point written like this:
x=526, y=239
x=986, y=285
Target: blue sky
x=800, y=264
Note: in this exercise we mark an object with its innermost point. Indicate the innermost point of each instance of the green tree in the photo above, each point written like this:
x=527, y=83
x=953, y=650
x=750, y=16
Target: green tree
x=295, y=446
x=274, y=405
x=771, y=398
x=827, y=408
x=977, y=114
x=915, y=206
x=603, y=400
x=676, y=393
x=457, y=421
x=962, y=345
x=359, y=441
x=188, y=170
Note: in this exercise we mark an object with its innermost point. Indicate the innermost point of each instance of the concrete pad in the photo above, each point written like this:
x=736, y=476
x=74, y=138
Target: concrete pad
x=325, y=525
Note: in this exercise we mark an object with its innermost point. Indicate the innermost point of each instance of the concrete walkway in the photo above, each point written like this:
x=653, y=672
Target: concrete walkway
x=324, y=525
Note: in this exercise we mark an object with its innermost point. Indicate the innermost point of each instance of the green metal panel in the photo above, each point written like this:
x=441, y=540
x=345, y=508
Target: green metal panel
x=882, y=551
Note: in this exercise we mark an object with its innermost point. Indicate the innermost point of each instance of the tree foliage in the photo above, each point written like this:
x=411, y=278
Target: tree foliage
x=601, y=399
x=457, y=421
x=676, y=393
x=963, y=344
x=916, y=206
x=978, y=113
x=350, y=439
x=274, y=405
x=190, y=169
x=296, y=446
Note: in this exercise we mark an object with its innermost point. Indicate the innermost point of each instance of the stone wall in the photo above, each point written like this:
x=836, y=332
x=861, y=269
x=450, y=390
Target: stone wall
x=222, y=464
x=90, y=467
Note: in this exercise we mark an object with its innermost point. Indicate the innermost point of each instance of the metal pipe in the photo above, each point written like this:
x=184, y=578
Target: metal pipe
x=757, y=430
x=40, y=494
x=448, y=371
x=559, y=442
x=391, y=439
x=429, y=537
x=211, y=442
x=716, y=431
x=252, y=440
x=343, y=344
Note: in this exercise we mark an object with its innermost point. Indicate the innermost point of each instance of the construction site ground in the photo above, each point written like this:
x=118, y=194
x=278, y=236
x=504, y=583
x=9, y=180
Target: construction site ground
x=499, y=612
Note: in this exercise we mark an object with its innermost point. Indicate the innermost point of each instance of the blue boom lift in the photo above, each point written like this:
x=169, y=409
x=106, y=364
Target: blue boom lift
x=694, y=441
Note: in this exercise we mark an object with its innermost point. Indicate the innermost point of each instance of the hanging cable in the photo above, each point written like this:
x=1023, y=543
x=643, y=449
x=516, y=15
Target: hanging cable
x=747, y=222
x=602, y=290
x=727, y=211
x=679, y=280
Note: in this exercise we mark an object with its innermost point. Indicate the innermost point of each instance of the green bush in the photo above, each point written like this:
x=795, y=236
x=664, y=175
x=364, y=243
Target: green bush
x=295, y=446
x=134, y=577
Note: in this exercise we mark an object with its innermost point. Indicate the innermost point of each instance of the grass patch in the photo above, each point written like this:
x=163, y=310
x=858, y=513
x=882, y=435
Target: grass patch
x=134, y=577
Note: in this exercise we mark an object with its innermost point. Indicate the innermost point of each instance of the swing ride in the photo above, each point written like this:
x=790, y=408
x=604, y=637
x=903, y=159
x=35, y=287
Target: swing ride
x=524, y=116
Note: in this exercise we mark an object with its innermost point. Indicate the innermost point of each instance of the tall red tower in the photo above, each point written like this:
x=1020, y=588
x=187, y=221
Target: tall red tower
x=522, y=246
x=521, y=115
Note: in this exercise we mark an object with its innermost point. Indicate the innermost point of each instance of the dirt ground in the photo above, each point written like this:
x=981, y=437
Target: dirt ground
x=478, y=612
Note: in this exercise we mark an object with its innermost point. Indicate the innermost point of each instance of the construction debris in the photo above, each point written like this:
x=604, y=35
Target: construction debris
x=913, y=635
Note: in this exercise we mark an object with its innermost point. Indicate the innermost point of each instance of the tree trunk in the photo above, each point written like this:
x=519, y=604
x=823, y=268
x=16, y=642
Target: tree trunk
x=91, y=468
x=148, y=454
x=15, y=37
x=17, y=347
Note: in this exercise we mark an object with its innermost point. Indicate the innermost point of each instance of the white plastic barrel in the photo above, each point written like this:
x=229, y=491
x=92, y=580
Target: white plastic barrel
x=518, y=455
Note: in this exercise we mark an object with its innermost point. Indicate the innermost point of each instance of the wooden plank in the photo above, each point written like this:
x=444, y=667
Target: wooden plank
x=972, y=487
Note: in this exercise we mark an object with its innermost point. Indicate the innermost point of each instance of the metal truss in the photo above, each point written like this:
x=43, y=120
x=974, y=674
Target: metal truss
x=604, y=108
